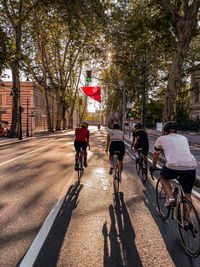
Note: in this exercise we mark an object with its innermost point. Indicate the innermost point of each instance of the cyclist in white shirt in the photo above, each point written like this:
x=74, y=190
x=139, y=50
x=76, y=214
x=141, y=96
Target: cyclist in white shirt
x=179, y=161
x=115, y=142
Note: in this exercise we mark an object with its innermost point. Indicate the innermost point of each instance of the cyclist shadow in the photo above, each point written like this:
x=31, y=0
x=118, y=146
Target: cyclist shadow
x=123, y=251
x=50, y=251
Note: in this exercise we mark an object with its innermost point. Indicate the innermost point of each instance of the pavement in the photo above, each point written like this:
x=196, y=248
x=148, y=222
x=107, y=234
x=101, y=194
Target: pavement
x=193, y=139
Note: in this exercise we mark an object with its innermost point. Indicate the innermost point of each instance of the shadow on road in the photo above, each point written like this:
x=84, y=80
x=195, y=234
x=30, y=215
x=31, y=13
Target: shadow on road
x=169, y=231
x=119, y=243
x=50, y=251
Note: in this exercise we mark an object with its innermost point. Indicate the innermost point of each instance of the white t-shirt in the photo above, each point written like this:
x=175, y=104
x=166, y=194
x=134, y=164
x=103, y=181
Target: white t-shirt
x=116, y=135
x=177, y=152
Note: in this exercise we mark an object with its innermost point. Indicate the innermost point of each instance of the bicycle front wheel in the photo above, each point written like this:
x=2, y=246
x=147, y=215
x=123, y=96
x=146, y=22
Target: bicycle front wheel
x=189, y=227
x=161, y=198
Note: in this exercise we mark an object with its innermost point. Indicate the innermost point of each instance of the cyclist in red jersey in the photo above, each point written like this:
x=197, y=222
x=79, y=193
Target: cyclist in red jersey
x=81, y=140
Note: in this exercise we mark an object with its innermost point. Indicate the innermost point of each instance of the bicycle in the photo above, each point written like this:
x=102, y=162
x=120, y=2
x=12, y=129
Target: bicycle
x=116, y=173
x=80, y=164
x=141, y=165
x=184, y=213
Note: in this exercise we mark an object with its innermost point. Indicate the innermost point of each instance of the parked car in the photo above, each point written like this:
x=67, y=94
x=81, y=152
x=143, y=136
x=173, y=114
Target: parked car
x=3, y=128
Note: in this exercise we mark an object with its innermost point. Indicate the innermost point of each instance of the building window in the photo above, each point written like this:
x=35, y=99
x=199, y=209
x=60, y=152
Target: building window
x=2, y=99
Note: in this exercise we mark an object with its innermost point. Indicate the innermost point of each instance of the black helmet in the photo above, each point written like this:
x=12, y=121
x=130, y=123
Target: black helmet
x=170, y=126
x=116, y=126
x=84, y=125
x=138, y=125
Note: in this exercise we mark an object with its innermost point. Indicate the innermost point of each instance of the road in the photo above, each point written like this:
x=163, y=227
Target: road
x=91, y=229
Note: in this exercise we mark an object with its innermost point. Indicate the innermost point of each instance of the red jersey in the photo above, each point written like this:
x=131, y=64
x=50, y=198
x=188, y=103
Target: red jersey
x=82, y=134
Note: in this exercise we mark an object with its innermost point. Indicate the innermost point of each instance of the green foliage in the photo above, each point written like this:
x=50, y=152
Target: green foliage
x=3, y=50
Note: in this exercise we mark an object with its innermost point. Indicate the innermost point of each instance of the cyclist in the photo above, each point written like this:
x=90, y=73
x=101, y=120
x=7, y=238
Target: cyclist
x=81, y=140
x=140, y=135
x=179, y=161
x=115, y=142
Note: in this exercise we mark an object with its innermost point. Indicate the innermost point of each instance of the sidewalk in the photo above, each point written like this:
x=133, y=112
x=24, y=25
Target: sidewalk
x=6, y=141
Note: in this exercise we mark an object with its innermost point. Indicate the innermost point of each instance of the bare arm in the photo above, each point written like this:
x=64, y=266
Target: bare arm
x=133, y=142
x=155, y=159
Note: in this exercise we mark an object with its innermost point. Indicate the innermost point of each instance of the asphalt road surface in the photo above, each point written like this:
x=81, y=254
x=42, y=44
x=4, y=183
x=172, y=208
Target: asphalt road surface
x=91, y=229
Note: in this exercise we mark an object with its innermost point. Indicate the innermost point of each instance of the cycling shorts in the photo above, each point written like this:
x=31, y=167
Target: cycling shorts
x=79, y=144
x=117, y=146
x=145, y=147
x=187, y=181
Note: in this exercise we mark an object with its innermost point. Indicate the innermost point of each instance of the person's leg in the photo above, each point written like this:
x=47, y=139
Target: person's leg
x=120, y=166
x=77, y=148
x=136, y=153
x=167, y=187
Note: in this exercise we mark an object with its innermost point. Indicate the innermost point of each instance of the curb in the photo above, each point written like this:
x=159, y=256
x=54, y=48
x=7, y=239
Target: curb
x=10, y=143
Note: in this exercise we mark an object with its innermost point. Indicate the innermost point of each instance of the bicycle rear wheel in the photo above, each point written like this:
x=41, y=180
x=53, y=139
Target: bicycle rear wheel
x=116, y=180
x=190, y=232
x=144, y=170
x=161, y=198
x=137, y=165
x=80, y=167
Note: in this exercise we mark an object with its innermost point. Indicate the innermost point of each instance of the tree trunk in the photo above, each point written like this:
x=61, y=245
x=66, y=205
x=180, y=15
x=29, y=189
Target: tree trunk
x=58, y=121
x=169, y=111
x=185, y=27
x=15, y=107
x=48, y=115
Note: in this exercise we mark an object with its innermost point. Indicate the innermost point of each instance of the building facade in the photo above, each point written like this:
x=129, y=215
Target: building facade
x=195, y=95
x=33, y=104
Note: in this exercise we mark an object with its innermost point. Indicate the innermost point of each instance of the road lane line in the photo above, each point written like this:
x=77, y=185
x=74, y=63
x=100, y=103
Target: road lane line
x=33, y=251
x=6, y=162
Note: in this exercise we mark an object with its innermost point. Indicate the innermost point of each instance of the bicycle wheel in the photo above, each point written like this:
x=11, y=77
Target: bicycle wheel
x=116, y=180
x=161, y=198
x=189, y=227
x=80, y=167
x=137, y=165
x=144, y=170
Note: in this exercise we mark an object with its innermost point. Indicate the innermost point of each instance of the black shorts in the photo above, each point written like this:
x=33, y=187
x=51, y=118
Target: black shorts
x=79, y=144
x=117, y=146
x=145, y=148
x=186, y=183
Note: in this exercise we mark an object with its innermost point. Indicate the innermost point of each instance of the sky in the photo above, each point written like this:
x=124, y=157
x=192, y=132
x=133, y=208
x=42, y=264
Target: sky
x=92, y=104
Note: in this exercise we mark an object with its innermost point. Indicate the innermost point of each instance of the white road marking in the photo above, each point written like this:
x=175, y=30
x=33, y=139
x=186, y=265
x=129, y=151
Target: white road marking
x=32, y=253
x=6, y=162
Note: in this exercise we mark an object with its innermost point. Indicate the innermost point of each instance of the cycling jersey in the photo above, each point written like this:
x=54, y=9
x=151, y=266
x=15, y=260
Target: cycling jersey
x=116, y=135
x=177, y=152
x=141, y=136
x=82, y=134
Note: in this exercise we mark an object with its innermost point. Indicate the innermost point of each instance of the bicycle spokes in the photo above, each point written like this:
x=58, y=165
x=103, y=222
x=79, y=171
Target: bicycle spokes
x=189, y=227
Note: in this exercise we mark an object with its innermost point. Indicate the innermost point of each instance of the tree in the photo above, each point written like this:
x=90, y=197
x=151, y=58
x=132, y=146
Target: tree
x=183, y=16
x=14, y=15
x=3, y=51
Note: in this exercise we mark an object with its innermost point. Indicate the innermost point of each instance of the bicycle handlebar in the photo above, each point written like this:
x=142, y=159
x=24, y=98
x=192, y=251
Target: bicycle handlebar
x=152, y=170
